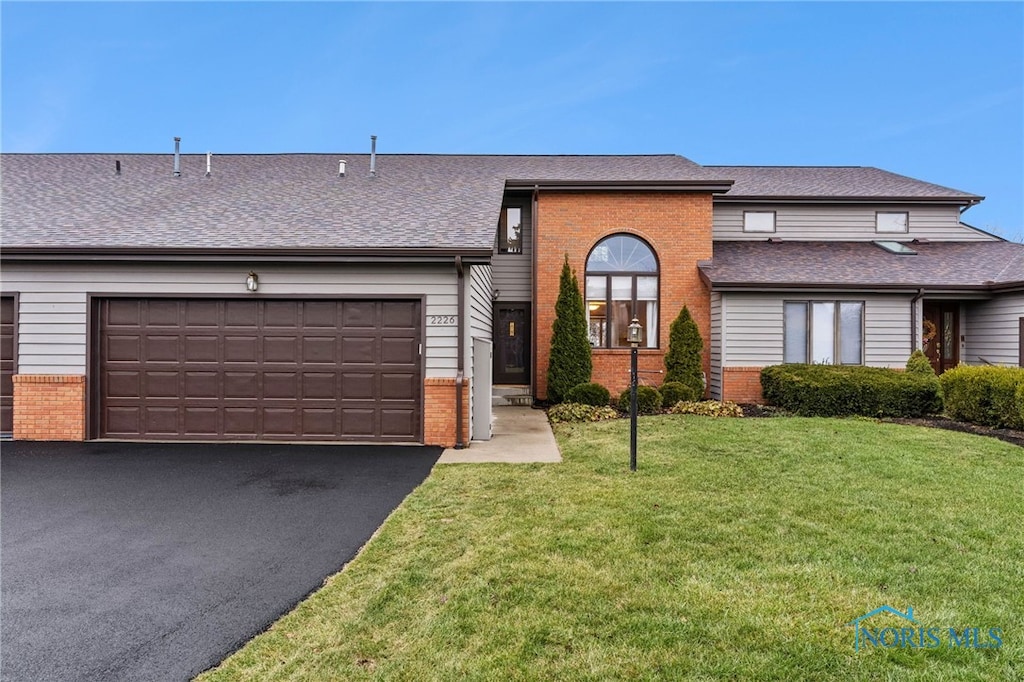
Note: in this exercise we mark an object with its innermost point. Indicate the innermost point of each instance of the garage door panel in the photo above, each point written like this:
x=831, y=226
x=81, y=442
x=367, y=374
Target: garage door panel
x=241, y=349
x=162, y=348
x=281, y=315
x=322, y=385
x=358, y=350
x=161, y=384
x=320, y=349
x=241, y=314
x=124, y=348
x=396, y=424
x=399, y=351
x=241, y=422
x=241, y=384
x=357, y=386
x=281, y=349
x=201, y=421
x=202, y=313
x=320, y=315
x=125, y=384
x=359, y=315
x=124, y=313
x=244, y=369
x=160, y=313
x=161, y=420
x=398, y=386
x=401, y=315
x=280, y=385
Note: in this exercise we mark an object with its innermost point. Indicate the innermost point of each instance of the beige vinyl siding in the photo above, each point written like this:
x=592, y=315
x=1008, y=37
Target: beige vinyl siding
x=53, y=312
x=715, y=380
x=512, y=272
x=753, y=327
x=992, y=329
x=833, y=222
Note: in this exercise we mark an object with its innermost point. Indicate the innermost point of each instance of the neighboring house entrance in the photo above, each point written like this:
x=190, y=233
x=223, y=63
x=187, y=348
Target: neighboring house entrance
x=941, y=334
x=215, y=369
x=6, y=364
x=512, y=343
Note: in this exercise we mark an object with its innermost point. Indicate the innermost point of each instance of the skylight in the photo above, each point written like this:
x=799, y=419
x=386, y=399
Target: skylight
x=899, y=248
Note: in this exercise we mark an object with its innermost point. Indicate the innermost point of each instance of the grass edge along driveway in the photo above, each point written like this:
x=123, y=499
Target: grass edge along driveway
x=741, y=549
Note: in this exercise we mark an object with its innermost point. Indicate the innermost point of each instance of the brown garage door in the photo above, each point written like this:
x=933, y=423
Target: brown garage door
x=6, y=364
x=268, y=369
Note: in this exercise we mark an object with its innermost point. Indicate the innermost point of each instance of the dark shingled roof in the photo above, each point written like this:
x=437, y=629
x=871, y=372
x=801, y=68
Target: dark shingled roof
x=844, y=182
x=863, y=264
x=288, y=201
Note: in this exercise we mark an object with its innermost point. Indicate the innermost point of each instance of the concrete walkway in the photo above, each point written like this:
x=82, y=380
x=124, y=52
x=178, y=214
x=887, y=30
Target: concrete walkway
x=521, y=434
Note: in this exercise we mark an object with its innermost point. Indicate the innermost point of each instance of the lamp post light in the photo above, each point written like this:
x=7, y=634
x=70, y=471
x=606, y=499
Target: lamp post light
x=636, y=336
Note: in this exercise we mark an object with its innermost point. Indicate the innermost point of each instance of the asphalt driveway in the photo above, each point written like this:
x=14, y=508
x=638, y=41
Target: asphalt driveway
x=125, y=561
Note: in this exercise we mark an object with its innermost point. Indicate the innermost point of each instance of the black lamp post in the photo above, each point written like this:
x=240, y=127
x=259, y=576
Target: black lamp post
x=636, y=337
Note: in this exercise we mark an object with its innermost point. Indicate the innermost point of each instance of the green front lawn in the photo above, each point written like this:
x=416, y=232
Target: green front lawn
x=740, y=550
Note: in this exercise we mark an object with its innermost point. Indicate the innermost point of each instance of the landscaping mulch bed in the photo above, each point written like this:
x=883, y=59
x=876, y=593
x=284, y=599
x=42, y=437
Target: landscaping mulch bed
x=1008, y=435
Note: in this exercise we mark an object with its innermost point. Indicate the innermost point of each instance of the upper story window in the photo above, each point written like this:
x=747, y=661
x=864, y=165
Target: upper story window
x=759, y=221
x=622, y=283
x=510, y=230
x=892, y=222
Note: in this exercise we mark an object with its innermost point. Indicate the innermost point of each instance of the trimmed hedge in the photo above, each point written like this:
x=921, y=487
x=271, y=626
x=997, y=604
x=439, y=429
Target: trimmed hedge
x=918, y=363
x=589, y=394
x=648, y=400
x=992, y=396
x=843, y=390
x=673, y=392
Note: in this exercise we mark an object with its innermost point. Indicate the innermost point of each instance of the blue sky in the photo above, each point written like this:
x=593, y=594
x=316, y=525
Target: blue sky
x=930, y=90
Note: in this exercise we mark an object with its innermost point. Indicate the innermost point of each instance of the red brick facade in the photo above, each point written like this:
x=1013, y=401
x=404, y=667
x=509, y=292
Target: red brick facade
x=678, y=228
x=49, y=407
x=742, y=384
x=439, y=412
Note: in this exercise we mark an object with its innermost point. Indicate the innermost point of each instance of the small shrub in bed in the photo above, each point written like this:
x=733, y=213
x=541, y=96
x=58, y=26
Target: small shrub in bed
x=991, y=396
x=578, y=412
x=589, y=394
x=648, y=400
x=707, y=408
x=674, y=391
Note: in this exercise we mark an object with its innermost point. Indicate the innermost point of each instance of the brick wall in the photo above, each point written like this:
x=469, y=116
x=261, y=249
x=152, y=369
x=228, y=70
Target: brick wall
x=678, y=228
x=742, y=384
x=49, y=407
x=439, y=412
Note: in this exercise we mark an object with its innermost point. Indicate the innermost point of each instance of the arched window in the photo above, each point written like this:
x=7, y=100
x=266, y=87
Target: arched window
x=622, y=282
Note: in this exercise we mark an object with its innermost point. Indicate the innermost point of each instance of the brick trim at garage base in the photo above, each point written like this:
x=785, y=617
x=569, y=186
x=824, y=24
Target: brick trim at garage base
x=49, y=407
x=439, y=411
x=742, y=384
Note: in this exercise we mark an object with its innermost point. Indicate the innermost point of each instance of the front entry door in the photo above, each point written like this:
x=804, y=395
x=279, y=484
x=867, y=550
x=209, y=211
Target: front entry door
x=512, y=343
x=941, y=335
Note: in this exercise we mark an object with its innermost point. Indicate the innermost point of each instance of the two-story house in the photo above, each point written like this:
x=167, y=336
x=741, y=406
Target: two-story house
x=361, y=297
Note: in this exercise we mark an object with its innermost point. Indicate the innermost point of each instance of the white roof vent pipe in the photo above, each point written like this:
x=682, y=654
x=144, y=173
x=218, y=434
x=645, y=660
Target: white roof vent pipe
x=209, y=163
x=177, y=157
x=341, y=168
x=373, y=156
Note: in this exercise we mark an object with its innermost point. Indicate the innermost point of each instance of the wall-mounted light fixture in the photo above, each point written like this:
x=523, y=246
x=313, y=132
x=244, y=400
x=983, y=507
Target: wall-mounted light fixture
x=252, y=282
x=495, y=294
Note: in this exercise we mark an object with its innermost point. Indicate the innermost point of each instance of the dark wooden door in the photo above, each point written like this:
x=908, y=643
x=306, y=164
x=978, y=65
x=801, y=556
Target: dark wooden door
x=216, y=369
x=6, y=364
x=941, y=335
x=512, y=343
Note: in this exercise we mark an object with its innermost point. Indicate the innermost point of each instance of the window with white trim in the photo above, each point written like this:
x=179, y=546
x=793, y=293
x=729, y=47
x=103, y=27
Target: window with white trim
x=759, y=221
x=510, y=230
x=891, y=222
x=621, y=282
x=824, y=332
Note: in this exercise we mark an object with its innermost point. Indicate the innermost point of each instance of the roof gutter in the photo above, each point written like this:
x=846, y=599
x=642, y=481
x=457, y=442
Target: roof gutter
x=382, y=255
x=713, y=186
x=966, y=202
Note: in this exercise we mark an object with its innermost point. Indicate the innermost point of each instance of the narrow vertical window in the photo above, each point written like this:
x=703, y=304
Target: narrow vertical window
x=823, y=332
x=510, y=230
x=795, y=335
x=851, y=332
